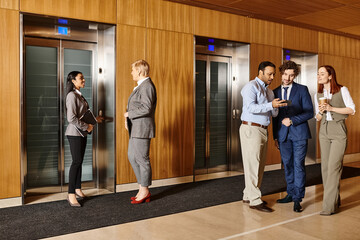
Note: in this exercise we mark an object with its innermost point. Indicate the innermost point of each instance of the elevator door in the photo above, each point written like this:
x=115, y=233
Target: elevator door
x=212, y=134
x=47, y=64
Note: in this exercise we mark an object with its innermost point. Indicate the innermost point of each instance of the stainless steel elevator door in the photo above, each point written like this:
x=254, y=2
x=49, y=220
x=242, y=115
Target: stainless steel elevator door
x=47, y=151
x=213, y=96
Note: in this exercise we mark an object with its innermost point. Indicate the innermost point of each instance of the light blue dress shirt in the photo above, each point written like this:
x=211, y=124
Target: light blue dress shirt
x=257, y=103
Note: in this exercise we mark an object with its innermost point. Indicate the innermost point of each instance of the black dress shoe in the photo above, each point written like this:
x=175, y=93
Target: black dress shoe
x=286, y=199
x=262, y=207
x=297, y=207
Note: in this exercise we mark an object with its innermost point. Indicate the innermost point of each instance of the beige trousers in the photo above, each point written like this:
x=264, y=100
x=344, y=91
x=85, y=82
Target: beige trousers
x=253, y=147
x=333, y=140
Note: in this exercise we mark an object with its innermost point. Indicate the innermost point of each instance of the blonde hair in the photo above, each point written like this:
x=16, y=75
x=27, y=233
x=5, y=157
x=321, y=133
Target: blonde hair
x=142, y=66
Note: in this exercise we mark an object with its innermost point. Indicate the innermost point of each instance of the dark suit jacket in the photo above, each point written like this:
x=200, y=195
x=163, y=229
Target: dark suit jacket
x=141, y=109
x=300, y=111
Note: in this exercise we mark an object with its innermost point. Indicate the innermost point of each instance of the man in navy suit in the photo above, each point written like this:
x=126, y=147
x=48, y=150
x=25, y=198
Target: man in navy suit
x=291, y=132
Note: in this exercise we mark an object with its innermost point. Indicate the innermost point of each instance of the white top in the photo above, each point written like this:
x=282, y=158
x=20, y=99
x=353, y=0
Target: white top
x=346, y=98
x=140, y=82
x=78, y=92
x=287, y=93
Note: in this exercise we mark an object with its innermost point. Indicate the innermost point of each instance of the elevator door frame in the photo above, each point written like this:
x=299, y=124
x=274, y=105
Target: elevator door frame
x=60, y=45
x=225, y=167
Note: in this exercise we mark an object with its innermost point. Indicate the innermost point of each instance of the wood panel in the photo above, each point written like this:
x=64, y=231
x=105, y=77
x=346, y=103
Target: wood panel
x=301, y=39
x=347, y=76
x=170, y=56
x=9, y=4
x=221, y=25
x=170, y=16
x=92, y=10
x=9, y=105
x=259, y=53
x=338, y=45
x=130, y=46
x=132, y=12
x=265, y=32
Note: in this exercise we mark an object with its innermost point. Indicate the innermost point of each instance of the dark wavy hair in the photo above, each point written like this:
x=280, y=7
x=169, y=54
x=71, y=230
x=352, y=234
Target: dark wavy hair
x=289, y=65
x=334, y=86
x=69, y=84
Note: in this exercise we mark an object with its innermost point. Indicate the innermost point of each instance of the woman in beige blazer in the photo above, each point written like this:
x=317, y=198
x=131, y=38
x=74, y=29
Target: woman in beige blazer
x=335, y=106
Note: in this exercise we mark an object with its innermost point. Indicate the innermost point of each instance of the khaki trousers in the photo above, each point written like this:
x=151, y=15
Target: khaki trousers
x=253, y=147
x=333, y=141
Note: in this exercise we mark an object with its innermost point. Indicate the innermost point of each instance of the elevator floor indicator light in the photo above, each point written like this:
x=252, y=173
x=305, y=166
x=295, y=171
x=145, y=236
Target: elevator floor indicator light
x=211, y=48
x=62, y=21
x=63, y=31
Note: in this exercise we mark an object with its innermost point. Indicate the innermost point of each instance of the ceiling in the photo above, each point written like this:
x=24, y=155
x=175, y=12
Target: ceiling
x=334, y=16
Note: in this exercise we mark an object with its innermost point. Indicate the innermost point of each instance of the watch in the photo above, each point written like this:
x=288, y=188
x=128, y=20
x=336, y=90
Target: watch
x=291, y=123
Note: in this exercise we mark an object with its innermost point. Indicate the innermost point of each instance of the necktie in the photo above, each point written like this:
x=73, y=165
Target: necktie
x=285, y=93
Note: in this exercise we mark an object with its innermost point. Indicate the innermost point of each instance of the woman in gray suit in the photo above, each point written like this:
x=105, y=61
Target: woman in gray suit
x=140, y=122
x=76, y=132
x=335, y=106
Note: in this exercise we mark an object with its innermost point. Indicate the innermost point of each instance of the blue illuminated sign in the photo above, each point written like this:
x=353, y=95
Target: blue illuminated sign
x=287, y=57
x=62, y=30
x=62, y=21
x=211, y=40
x=211, y=48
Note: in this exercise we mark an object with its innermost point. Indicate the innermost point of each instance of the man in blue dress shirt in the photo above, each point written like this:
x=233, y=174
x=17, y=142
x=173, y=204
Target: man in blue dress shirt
x=291, y=132
x=258, y=107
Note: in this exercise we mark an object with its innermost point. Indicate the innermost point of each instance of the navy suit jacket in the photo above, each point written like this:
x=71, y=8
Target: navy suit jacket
x=300, y=111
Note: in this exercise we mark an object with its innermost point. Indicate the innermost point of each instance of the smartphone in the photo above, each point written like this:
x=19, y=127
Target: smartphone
x=288, y=102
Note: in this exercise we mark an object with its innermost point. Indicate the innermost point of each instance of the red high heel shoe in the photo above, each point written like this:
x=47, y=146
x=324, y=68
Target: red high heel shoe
x=146, y=199
x=133, y=198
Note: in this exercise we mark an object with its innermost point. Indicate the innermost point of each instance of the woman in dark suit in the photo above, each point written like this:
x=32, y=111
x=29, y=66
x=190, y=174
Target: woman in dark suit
x=76, y=132
x=140, y=122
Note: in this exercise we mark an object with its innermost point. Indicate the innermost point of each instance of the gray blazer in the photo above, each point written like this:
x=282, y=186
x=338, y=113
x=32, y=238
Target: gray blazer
x=76, y=106
x=141, y=109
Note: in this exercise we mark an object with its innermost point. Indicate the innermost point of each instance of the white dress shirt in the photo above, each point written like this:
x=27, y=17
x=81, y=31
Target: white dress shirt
x=139, y=82
x=287, y=93
x=346, y=98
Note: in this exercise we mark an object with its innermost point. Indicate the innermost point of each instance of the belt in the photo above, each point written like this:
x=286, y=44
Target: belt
x=254, y=124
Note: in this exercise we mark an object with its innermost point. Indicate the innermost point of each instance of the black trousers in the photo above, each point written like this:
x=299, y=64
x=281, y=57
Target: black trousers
x=77, y=149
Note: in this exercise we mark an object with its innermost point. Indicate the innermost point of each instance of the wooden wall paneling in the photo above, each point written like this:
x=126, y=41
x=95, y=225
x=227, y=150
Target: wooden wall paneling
x=221, y=25
x=170, y=16
x=9, y=4
x=171, y=58
x=265, y=32
x=10, y=185
x=91, y=10
x=300, y=39
x=132, y=12
x=130, y=46
x=259, y=53
x=339, y=45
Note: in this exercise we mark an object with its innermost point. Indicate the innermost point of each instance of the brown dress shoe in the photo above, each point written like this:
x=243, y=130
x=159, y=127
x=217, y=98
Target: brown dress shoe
x=262, y=207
